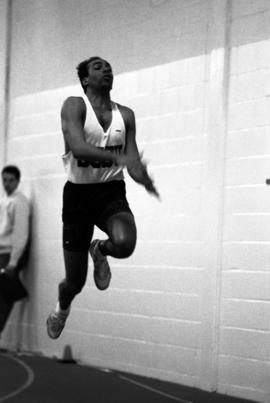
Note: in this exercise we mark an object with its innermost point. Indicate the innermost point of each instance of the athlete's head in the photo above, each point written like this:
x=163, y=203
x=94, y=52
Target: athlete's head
x=95, y=73
x=11, y=178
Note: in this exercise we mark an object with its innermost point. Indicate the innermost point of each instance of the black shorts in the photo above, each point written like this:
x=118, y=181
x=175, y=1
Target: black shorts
x=86, y=205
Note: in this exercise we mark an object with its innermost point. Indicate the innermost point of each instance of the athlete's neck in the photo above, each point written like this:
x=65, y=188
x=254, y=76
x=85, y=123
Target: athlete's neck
x=98, y=99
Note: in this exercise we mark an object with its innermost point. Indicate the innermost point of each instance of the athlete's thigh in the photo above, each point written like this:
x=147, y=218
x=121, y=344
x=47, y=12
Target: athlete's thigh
x=121, y=226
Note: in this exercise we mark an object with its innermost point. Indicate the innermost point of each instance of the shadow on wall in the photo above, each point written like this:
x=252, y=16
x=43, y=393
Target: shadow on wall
x=131, y=35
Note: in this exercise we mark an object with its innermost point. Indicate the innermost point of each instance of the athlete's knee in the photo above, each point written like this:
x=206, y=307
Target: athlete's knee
x=71, y=287
x=76, y=288
x=124, y=246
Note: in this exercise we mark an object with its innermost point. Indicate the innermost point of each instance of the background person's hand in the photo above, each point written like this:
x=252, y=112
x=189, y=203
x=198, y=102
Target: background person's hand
x=10, y=270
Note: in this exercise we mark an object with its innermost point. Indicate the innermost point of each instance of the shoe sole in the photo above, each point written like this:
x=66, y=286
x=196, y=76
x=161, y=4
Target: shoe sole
x=103, y=287
x=52, y=336
x=100, y=287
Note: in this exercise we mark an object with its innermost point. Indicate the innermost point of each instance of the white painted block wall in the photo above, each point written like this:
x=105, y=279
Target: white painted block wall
x=245, y=294
x=175, y=309
x=3, y=72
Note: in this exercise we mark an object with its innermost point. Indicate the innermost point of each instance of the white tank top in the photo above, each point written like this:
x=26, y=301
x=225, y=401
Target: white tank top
x=80, y=171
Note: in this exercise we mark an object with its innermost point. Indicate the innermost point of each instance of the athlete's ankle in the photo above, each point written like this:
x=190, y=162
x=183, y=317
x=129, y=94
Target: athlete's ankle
x=102, y=248
x=62, y=308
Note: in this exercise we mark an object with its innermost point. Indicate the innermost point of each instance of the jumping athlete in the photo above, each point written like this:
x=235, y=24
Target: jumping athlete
x=99, y=137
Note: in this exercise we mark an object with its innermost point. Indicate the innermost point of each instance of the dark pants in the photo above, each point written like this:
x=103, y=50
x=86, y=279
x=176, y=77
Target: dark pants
x=5, y=306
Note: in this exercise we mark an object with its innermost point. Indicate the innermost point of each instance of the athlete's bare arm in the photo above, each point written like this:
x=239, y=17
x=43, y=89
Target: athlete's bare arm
x=73, y=115
x=136, y=167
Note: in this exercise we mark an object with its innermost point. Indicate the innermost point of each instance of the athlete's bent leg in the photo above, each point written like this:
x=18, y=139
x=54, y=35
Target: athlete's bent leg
x=122, y=232
x=121, y=229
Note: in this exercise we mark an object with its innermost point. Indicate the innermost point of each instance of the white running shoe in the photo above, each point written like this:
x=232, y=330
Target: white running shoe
x=102, y=272
x=56, y=323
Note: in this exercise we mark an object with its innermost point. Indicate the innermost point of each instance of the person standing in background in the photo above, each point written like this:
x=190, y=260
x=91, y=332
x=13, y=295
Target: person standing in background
x=14, y=234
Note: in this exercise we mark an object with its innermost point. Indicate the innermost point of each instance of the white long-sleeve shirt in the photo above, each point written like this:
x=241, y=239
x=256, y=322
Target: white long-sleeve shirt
x=14, y=225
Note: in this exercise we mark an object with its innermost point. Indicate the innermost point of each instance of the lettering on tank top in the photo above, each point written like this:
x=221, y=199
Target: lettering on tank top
x=101, y=164
x=112, y=140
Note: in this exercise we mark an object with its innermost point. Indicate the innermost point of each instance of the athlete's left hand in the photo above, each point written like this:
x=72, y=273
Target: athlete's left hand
x=138, y=172
x=151, y=188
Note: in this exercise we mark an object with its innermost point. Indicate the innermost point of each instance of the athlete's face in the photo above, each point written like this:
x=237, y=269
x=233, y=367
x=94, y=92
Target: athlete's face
x=10, y=182
x=100, y=75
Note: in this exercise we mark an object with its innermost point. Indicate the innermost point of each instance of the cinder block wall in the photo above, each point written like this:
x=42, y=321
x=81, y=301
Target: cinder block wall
x=245, y=316
x=3, y=72
x=174, y=308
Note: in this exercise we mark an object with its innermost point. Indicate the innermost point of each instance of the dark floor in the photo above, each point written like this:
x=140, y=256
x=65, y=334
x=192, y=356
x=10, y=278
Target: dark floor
x=36, y=379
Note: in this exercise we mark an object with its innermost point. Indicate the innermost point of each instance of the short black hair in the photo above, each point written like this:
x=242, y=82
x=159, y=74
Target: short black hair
x=82, y=69
x=12, y=169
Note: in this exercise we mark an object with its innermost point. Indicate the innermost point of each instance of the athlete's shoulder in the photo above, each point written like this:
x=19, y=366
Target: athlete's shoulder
x=74, y=101
x=125, y=109
x=127, y=113
x=73, y=105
